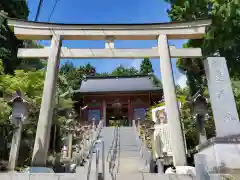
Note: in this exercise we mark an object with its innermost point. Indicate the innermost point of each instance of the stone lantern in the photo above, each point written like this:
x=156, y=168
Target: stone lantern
x=19, y=113
x=71, y=127
x=200, y=111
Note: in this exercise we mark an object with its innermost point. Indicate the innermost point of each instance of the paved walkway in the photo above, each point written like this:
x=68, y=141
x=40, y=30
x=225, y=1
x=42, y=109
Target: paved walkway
x=128, y=158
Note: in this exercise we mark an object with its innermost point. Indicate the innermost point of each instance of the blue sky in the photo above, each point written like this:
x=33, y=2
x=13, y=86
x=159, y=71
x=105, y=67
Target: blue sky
x=108, y=11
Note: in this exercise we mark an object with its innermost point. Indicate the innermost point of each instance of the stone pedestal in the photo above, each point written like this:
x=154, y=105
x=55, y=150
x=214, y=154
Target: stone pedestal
x=221, y=155
x=16, y=140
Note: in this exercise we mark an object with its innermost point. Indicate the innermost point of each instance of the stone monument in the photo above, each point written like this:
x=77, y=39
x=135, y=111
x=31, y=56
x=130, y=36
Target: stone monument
x=221, y=153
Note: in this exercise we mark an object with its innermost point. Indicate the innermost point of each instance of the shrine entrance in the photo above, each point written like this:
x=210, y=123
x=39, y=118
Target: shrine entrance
x=117, y=114
x=120, y=118
x=159, y=32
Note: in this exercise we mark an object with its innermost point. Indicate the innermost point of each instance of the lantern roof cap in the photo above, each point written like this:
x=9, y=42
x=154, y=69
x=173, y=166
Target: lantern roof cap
x=199, y=96
x=17, y=97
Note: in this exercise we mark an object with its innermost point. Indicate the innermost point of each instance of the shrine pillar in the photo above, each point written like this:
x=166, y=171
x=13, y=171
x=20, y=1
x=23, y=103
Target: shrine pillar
x=178, y=145
x=130, y=116
x=104, y=112
x=42, y=138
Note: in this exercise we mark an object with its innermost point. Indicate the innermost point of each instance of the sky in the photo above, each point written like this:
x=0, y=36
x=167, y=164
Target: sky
x=108, y=11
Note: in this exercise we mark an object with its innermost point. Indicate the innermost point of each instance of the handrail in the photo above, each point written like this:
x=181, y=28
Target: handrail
x=90, y=159
x=97, y=163
x=84, y=147
x=113, y=154
x=90, y=151
x=113, y=141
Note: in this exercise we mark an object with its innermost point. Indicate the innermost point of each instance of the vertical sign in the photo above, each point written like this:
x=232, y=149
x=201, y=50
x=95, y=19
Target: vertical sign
x=221, y=96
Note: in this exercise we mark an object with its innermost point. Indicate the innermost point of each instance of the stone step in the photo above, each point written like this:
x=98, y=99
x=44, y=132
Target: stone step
x=130, y=160
x=151, y=176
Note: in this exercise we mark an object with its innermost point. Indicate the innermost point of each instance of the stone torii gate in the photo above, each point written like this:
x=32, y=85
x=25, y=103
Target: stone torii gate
x=162, y=32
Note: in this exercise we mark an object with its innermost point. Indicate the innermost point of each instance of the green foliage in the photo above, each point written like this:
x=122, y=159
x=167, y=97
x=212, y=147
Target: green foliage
x=74, y=75
x=15, y=9
x=236, y=90
x=122, y=71
x=31, y=85
x=156, y=81
x=222, y=36
x=9, y=44
x=103, y=74
x=146, y=67
x=31, y=64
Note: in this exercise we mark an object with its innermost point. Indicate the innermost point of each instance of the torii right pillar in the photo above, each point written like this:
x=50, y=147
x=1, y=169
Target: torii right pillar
x=177, y=140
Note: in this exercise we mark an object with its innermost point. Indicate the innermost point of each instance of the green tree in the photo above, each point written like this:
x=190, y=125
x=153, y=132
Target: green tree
x=29, y=63
x=9, y=44
x=146, y=67
x=74, y=75
x=222, y=36
x=15, y=9
x=102, y=74
x=122, y=71
x=31, y=85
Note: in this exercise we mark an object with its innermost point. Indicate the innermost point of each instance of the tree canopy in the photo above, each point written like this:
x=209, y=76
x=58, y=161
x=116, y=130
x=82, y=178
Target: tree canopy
x=146, y=67
x=9, y=44
x=221, y=37
x=121, y=71
x=15, y=9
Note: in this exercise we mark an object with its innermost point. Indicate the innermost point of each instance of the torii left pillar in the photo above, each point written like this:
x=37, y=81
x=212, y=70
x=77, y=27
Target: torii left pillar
x=41, y=145
x=173, y=115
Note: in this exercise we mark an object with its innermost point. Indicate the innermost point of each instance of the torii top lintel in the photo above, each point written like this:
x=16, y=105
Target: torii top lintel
x=44, y=31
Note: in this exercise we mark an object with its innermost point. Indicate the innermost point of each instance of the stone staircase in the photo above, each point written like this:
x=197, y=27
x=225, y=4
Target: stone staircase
x=129, y=164
x=130, y=160
x=107, y=134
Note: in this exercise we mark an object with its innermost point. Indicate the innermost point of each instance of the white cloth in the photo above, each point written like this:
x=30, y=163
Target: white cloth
x=64, y=151
x=185, y=170
x=162, y=139
x=65, y=148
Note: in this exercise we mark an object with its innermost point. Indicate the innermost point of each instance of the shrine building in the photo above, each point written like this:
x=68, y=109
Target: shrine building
x=112, y=97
